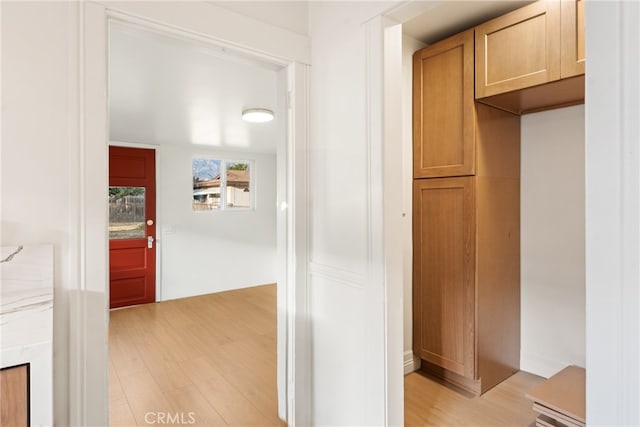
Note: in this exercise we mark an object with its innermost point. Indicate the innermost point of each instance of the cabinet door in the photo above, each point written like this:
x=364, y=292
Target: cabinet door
x=444, y=273
x=14, y=396
x=572, y=38
x=519, y=49
x=443, y=115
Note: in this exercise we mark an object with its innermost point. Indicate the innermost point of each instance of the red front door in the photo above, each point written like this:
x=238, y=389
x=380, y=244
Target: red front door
x=132, y=226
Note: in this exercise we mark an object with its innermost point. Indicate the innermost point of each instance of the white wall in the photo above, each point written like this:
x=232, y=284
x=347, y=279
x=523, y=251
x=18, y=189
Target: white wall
x=552, y=240
x=347, y=380
x=206, y=252
x=409, y=46
x=291, y=15
x=37, y=138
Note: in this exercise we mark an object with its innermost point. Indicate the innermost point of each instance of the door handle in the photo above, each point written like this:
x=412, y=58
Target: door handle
x=150, y=240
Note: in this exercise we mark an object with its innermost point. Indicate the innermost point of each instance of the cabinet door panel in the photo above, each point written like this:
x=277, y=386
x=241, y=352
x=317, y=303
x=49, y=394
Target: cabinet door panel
x=573, y=49
x=444, y=273
x=519, y=49
x=443, y=108
x=14, y=396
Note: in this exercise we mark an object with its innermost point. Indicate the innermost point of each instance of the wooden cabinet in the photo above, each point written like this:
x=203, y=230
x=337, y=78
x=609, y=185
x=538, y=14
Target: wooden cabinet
x=572, y=38
x=14, y=396
x=519, y=49
x=444, y=270
x=466, y=191
x=443, y=108
x=466, y=265
x=532, y=59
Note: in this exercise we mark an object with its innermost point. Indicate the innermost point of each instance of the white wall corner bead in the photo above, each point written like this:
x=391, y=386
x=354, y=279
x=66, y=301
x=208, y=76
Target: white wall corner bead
x=26, y=321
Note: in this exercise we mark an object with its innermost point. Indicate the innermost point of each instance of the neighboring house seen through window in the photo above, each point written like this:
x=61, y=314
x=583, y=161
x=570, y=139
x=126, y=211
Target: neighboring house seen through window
x=221, y=184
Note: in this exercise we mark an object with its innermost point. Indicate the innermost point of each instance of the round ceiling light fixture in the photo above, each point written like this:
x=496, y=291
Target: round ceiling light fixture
x=257, y=115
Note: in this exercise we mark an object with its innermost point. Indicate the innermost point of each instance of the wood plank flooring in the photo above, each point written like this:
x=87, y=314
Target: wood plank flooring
x=429, y=403
x=213, y=357
x=209, y=359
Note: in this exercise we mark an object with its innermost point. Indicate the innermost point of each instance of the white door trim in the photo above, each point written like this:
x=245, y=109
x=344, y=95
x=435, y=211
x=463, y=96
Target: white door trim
x=383, y=41
x=297, y=290
x=612, y=195
x=89, y=308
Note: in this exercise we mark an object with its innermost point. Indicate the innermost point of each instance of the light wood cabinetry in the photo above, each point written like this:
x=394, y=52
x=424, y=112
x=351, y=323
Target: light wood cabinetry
x=466, y=191
x=444, y=270
x=466, y=245
x=532, y=59
x=497, y=245
x=561, y=93
x=572, y=38
x=443, y=108
x=14, y=396
x=519, y=49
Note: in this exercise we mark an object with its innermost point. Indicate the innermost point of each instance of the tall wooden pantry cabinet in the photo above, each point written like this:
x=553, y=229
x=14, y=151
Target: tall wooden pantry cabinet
x=466, y=188
x=466, y=223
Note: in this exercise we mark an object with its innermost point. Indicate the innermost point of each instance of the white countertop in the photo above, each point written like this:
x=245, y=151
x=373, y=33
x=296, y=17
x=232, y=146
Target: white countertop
x=26, y=321
x=26, y=292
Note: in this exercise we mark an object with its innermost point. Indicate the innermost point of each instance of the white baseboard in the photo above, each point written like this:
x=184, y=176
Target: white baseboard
x=411, y=363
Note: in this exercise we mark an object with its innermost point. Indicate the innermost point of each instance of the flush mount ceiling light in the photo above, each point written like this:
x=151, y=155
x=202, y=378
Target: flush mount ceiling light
x=257, y=115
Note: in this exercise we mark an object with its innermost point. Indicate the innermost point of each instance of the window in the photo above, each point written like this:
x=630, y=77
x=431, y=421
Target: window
x=222, y=184
x=126, y=213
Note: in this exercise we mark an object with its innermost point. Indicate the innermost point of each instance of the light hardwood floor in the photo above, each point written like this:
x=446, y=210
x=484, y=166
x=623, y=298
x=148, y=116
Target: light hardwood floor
x=214, y=356
x=429, y=403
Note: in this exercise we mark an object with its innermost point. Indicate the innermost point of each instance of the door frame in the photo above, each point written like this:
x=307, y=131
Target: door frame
x=89, y=306
x=613, y=200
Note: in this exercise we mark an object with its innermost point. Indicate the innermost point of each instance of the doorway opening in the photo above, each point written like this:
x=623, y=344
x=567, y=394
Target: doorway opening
x=212, y=26
x=222, y=258
x=539, y=354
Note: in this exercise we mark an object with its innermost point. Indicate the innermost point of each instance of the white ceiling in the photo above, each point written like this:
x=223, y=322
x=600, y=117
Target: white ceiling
x=453, y=16
x=165, y=90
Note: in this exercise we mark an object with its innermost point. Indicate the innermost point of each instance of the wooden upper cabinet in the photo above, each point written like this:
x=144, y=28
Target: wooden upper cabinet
x=444, y=273
x=572, y=38
x=443, y=109
x=519, y=49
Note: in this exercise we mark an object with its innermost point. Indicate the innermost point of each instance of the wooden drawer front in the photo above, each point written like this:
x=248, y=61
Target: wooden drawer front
x=444, y=273
x=14, y=396
x=572, y=38
x=443, y=119
x=519, y=49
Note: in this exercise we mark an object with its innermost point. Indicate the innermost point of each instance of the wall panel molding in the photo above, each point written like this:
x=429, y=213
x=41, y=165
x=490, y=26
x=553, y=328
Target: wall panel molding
x=337, y=274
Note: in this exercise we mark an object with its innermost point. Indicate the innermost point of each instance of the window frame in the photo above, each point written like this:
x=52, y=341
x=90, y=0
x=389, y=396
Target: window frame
x=223, y=184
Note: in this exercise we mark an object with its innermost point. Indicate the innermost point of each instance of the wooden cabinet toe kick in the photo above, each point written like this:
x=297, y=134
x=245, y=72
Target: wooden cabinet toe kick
x=464, y=383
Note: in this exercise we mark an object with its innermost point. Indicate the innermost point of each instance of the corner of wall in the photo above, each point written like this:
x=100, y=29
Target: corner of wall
x=411, y=362
x=538, y=365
